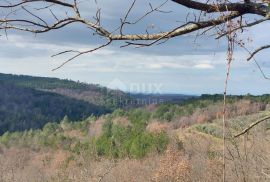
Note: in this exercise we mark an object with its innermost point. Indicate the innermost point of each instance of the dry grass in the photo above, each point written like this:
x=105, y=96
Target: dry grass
x=95, y=128
x=157, y=127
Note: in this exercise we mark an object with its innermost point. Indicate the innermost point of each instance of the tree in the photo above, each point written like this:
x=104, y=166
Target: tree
x=223, y=16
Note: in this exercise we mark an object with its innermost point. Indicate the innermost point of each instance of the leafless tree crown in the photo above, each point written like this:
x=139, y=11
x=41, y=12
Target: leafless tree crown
x=216, y=13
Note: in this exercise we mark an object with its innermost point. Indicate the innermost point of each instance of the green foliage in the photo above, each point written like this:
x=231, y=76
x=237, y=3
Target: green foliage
x=103, y=145
x=211, y=129
x=118, y=113
x=50, y=136
x=118, y=141
x=139, y=118
x=165, y=112
x=65, y=120
x=5, y=138
x=168, y=112
x=82, y=125
x=160, y=141
x=141, y=144
x=50, y=128
x=213, y=154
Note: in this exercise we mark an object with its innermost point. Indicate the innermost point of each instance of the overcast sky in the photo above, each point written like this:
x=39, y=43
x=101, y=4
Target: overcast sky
x=181, y=65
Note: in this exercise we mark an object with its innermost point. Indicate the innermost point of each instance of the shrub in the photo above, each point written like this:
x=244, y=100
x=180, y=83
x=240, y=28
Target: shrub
x=50, y=128
x=118, y=141
x=86, y=148
x=5, y=138
x=210, y=129
x=139, y=117
x=118, y=113
x=160, y=141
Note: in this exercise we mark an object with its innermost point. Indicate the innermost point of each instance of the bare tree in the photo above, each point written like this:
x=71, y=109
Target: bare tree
x=215, y=13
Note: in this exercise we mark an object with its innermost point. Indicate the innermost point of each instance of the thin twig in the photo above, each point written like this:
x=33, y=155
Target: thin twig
x=252, y=125
x=79, y=54
x=258, y=50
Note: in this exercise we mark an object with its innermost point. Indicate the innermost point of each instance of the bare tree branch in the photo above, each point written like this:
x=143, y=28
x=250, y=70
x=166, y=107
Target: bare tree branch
x=78, y=54
x=32, y=1
x=252, y=125
x=36, y=22
x=244, y=26
x=190, y=27
x=258, y=50
x=250, y=7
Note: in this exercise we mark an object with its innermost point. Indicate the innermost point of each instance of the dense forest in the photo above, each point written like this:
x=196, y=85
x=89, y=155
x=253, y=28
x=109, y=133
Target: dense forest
x=91, y=93
x=25, y=108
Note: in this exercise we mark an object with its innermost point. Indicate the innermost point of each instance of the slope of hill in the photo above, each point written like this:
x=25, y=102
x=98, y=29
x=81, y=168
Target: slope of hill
x=146, y=143
x=28, y=102
x=91, y=93
x=24, y=108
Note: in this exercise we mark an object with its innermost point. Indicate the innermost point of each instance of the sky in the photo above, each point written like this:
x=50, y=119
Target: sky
x=184, y=65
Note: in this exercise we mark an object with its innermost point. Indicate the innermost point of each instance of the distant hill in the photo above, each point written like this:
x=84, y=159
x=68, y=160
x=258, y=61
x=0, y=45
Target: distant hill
x=91, y=93
x=24, y=108
x=146, y=99
x=28, y=102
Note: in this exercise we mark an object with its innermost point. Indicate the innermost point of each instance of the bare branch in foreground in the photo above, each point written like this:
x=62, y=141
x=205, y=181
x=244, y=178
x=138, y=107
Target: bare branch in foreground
x=41, y=18
x=260, y=68
x=244, y=26
x=251, y=7
x=252, y=125
x=79, y=54
x=61, y=3
x=258, y=50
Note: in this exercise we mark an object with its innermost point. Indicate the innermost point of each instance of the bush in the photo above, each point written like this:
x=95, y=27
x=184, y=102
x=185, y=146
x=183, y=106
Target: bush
x=210, y=129
x=118, y=113
x=139, y=118
x=146, y=143
x=118, y=141
x=50, y=128
x=5, y=138
x=141, y=145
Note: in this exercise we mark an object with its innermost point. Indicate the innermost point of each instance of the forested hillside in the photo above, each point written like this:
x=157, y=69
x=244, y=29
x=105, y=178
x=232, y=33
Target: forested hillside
x=28, y=102
x=90, y=93
x=24, y=108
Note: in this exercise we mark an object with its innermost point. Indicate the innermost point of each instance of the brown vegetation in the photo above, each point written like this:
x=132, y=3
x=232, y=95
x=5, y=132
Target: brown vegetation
x=193, y=154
